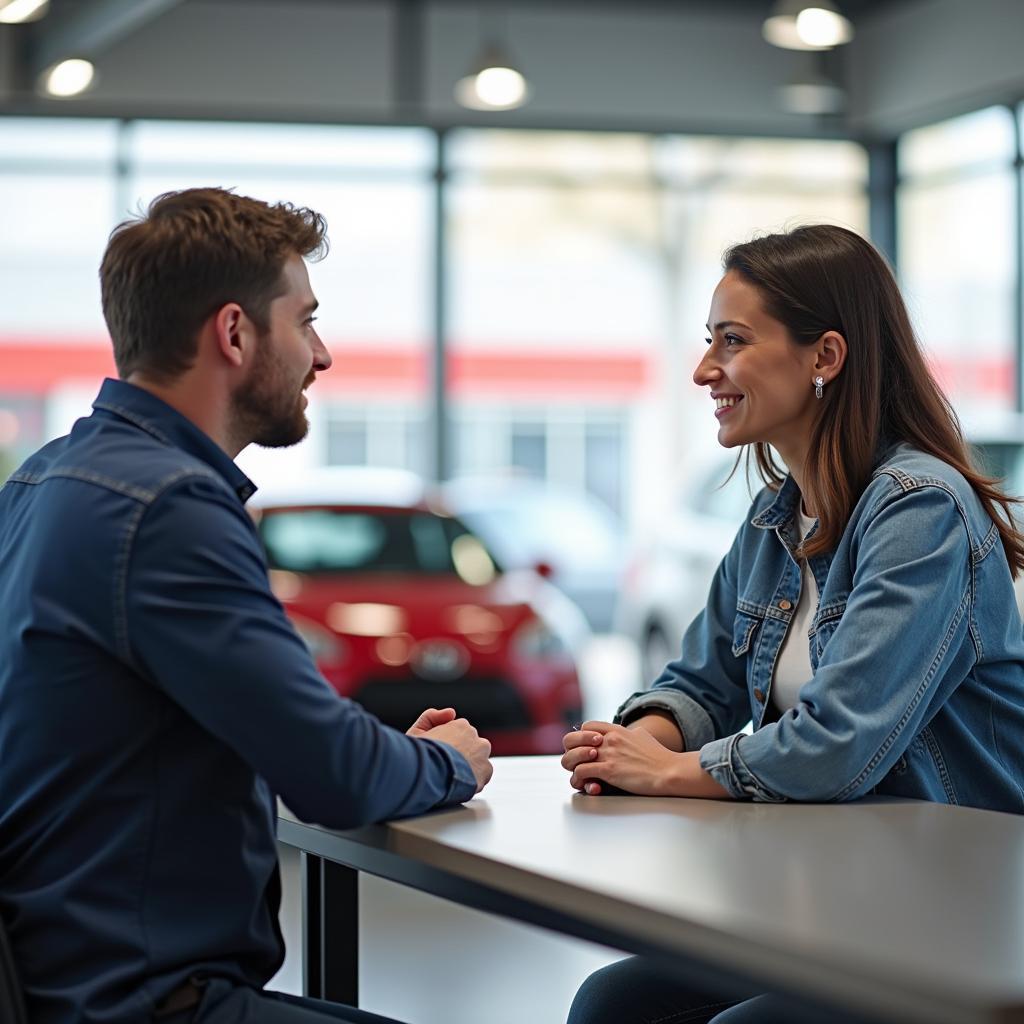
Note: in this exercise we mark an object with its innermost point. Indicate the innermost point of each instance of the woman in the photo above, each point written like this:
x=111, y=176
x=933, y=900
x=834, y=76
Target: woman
x=864, y=616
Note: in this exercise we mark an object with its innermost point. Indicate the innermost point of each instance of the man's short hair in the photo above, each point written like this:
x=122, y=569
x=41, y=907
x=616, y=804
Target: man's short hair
x=167, y=271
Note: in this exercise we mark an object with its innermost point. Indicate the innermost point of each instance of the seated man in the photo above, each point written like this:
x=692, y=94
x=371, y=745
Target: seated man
x=154, y=698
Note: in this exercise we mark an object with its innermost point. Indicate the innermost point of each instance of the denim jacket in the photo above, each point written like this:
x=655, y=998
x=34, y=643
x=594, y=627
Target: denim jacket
x=916, y=651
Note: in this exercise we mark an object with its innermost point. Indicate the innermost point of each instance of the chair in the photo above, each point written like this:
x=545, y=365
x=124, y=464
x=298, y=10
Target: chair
x=12, y=1002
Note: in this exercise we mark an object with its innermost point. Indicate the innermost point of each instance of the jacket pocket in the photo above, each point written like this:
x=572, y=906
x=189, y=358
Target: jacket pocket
x=822, y=630
x=743, y=632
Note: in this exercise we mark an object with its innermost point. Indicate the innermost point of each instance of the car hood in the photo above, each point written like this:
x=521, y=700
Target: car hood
x=420, y=605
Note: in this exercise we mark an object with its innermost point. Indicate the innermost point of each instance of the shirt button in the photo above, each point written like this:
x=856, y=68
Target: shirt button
x=785, y=605
x=758, y=695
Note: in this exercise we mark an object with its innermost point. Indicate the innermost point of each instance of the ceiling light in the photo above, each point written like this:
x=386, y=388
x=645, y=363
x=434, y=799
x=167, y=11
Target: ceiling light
x=495, y=83
x=806, y=25
x=68, y=78
x=823, y=26
x=12, y=12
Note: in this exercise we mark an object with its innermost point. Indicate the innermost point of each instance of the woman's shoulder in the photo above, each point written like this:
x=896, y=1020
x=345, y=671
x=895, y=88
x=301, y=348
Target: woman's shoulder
x=905, y=470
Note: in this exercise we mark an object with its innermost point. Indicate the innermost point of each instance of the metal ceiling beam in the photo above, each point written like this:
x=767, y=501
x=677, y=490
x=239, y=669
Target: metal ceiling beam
x=88, y=28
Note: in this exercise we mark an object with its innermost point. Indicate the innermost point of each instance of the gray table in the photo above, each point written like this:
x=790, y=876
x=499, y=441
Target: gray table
x=891, y=910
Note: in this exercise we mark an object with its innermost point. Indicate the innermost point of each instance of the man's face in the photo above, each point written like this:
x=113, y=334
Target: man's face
x=269, y=407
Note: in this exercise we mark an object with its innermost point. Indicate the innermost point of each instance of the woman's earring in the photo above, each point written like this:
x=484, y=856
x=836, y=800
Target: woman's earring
x=819, y=383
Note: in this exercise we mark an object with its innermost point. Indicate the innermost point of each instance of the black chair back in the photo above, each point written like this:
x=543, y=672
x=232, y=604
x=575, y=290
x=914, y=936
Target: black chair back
x=12, y=1002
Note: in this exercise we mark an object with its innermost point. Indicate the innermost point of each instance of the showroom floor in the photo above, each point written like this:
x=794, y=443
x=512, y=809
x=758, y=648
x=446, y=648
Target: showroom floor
x=426, y=961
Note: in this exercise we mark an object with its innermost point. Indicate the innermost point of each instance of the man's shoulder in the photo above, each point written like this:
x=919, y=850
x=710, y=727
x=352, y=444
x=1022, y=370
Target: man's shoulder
x=117, y=458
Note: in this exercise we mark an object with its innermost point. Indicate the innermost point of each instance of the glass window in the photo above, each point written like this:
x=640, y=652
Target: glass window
x=709, y=161
x=581, y=269
x=603, y=452
x=294, y=148
x=957, y=256
x=374, y=285
x=346, y=442
x=982, y=137
x=374, y=187
x=57, y=207
x=529, y=449
x=490, y=153
x=581, y=266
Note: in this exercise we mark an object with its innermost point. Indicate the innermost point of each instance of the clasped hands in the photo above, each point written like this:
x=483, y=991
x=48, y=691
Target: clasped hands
x=646, y=758
x=639, y=758
x=442, y=724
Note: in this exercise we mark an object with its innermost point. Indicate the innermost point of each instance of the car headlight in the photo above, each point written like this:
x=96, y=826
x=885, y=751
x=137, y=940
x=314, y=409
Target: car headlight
x=324, y=647
x=537, y=641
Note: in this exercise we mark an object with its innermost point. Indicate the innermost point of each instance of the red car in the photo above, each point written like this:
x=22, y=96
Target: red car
x=403, y=608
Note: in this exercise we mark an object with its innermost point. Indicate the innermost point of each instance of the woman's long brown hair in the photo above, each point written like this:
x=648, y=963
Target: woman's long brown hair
x=823, y=278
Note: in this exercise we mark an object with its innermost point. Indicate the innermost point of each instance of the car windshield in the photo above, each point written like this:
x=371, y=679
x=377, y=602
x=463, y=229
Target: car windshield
x=319, y=540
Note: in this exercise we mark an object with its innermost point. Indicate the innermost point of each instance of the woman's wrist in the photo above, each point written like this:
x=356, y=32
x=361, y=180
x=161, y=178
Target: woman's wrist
x=662, y=726
x=688, y=778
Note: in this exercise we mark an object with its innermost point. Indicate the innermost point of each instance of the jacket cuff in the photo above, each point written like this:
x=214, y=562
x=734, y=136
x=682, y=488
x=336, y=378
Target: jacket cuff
x=693, y=721
x=461, y=780
x=723, y=761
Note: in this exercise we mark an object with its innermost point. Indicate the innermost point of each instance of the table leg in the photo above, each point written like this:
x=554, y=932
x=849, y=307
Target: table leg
x=330, y=933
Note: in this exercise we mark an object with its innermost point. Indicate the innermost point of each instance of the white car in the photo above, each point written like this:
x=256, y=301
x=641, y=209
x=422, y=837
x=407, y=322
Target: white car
x=668, y=580
x=571, y=537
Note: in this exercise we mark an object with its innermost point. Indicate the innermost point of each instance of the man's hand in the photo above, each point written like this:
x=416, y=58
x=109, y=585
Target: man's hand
x=458, y=733
x=430, y=718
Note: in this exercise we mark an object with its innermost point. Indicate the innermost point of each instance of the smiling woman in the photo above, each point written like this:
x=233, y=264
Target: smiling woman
x=757, y=376
x=864, y=616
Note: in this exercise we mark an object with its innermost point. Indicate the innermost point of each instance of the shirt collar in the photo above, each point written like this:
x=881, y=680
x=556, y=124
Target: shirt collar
x=166, y=424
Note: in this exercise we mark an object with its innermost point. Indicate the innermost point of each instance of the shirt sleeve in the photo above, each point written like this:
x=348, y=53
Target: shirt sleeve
x=896, y=655
x=204, y=627
x=705, y=688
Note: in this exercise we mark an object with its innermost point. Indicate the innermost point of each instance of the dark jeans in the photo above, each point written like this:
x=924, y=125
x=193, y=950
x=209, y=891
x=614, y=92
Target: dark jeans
x=226, y=1003
x=634, y=991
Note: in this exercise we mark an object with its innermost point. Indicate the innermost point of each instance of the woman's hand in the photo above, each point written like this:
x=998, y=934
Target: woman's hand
x=659, y=724
x=630, y=759
x=600, y=754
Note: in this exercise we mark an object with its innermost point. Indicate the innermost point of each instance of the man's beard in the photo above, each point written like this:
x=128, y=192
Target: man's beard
x=267, y=410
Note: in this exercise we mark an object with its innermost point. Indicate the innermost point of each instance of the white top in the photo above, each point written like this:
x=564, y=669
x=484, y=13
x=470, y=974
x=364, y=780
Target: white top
x=793, y=665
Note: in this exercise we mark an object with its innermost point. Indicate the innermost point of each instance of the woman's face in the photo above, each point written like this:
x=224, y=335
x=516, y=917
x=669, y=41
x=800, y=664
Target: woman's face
x=761, y=380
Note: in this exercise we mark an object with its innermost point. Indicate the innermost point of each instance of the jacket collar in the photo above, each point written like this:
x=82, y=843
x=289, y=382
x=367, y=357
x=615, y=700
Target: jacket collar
x=153, y=415
x=782, y=510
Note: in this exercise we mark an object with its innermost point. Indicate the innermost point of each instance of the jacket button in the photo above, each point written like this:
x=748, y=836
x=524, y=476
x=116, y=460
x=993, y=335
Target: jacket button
x=758, y=695
x=785, y=605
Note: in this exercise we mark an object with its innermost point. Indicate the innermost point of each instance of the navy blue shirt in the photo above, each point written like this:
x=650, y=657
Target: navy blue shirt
x=153, y=701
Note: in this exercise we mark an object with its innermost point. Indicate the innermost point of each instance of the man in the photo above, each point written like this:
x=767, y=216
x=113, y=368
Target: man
x=153, y=696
